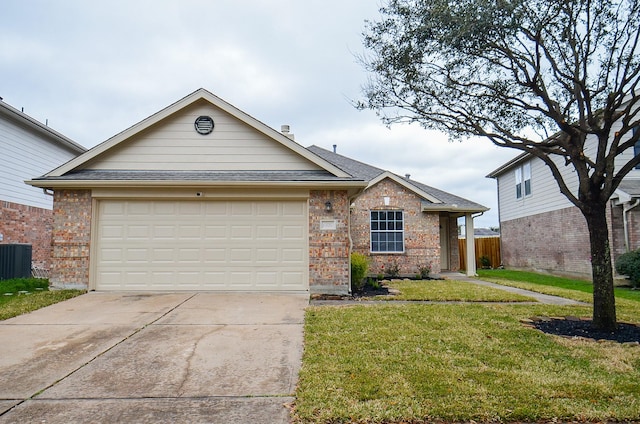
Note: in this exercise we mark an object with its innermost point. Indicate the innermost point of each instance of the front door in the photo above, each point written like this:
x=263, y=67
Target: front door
x=444, y=242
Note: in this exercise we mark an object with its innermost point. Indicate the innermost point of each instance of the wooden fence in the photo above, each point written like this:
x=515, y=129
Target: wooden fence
x=485, y=246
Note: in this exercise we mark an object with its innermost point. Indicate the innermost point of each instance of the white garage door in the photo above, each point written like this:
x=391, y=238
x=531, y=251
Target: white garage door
x=202, y=245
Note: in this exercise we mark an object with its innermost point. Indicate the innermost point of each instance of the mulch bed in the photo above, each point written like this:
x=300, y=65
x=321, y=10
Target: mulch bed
x=579, y=327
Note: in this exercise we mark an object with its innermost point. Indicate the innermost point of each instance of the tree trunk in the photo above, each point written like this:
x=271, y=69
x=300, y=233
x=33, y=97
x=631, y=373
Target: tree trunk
x=604, y=302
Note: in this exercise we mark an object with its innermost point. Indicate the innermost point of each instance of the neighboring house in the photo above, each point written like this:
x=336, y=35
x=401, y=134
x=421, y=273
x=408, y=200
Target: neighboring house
x=28, y=148
x=202, y=196
x=400, y=222
x=541, y=230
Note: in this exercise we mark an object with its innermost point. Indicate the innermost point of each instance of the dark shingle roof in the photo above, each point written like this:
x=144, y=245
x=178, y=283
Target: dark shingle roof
x=368, y=173
x=231, y=176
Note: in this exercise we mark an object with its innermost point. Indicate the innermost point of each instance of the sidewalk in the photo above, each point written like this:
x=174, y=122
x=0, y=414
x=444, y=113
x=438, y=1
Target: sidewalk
x=539, y=297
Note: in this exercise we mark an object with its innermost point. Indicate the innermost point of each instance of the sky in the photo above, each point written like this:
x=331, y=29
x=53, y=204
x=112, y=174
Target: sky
x=91, y=69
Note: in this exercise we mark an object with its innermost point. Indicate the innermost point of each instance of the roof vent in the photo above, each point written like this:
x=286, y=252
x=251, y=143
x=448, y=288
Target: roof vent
x=407, y=176
x=204, y=125
x=286, y=130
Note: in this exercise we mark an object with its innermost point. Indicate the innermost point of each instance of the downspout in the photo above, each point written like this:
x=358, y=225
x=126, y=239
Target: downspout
x=625, y=226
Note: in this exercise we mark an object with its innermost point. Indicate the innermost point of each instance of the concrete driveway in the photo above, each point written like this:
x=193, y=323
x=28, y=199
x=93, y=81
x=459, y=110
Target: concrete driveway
x=175, y=357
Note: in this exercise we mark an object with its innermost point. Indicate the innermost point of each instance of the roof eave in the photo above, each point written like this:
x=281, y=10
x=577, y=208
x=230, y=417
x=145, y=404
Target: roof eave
x=429, y=207
x=89, y=184
x=200, y=94
x=37, y=126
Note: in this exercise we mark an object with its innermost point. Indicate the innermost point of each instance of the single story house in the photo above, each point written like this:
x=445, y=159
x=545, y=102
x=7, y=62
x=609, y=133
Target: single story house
x=403, y=225
x=202, y=196
x=29, y=148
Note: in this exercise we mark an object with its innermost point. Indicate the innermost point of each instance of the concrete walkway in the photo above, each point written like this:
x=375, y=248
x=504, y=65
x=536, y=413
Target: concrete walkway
x=539, y=297
x=153, y=358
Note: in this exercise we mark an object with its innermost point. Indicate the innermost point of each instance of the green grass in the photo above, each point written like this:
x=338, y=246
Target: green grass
x=545, y=280
x=449, y=290
x=14, y=303
x=413, y=363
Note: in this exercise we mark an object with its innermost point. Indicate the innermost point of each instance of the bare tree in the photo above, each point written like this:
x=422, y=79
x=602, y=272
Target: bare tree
x=546, y=77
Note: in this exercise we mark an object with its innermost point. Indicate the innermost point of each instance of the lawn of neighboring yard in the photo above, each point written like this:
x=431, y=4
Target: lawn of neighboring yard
x=399, y=363
x=20, y=296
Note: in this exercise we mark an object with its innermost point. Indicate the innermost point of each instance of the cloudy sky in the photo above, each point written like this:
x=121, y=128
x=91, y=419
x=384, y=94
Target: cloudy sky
x=92, y=69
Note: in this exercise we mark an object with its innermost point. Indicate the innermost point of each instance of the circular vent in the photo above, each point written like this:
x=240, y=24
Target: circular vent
x=204, y=125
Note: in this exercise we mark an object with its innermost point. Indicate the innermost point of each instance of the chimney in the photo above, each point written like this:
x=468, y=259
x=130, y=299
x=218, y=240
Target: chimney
x=407, y=176
x=284, y=129
x=335, y=147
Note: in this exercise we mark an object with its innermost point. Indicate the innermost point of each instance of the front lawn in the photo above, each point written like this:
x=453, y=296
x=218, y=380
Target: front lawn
x=411, y=363
x=22, y=295
x=449, y=290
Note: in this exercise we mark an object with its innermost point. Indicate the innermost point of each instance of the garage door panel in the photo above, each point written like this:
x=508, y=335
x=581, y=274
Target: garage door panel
x=202, y=245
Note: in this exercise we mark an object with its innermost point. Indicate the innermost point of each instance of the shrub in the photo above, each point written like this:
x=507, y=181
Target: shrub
x=359, y=268
x=424, y=271
x=394, y=270
x=629, y=264
x=485, y=261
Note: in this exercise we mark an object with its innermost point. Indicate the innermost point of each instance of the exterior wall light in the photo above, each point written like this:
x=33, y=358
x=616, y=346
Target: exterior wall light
x=328, y=206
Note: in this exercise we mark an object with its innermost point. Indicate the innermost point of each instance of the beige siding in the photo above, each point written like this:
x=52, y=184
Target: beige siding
x=545, y=193
x=174, y=144
x=26, y=155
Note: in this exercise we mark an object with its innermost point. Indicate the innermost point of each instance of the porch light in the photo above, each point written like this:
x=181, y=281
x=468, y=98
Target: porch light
x=328, y=206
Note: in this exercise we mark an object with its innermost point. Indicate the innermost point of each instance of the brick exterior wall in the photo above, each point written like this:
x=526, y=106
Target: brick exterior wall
x=555, y=242
x=30, y=225
x=421, y=231
x=558, y=241
x=329, y=263
x=71, y=238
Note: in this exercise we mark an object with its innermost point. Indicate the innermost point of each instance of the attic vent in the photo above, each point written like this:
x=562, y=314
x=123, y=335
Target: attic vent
x=204, y=125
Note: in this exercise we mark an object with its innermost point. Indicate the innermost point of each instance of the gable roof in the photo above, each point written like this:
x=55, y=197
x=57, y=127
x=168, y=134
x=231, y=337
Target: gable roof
x=433, y=198
x=73, y=173
x=43, y=130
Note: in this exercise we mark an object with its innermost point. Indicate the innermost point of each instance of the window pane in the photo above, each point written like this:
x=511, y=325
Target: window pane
x=374, y=215
x=375, y=246
x=398, y=216
x=518, y=190
x=526, y=171
x=383, y=226
x=527, y=187
x=391, y=226
x=374, y=225
x=382, y=215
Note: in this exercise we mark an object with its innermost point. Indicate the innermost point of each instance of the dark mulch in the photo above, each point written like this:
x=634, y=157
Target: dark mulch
x=626, y=333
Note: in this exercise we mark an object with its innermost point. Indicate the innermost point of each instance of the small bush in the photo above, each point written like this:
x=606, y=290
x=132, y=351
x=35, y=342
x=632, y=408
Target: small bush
x=394, y=270
x=424, y=271
x=359, y=268
x=485, y=262
x=629, y=264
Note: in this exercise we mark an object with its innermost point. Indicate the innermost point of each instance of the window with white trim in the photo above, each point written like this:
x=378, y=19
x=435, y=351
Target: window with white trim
x=523, y=180
x=387, y=231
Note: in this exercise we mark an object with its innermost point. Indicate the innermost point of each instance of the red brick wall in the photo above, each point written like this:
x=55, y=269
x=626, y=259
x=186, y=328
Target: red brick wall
x=421, y=230
x=555, y=241
x=329, y=249
x=71, y=238
x=28, y=224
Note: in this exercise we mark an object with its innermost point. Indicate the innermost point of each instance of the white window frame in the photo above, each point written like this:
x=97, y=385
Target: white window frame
x=523, y=180
x=376, y=230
